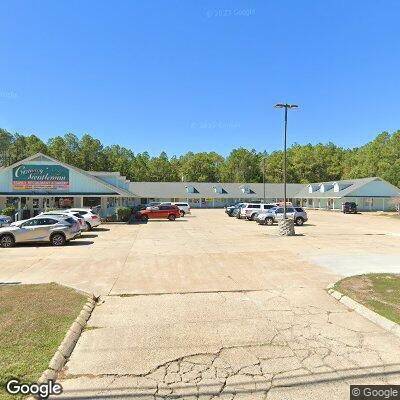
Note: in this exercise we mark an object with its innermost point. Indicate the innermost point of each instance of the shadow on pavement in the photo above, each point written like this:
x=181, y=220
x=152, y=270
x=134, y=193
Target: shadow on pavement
x=88, y=236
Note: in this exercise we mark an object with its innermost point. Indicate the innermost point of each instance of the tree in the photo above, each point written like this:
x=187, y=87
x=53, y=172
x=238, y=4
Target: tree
x=118, y=159
x=242, y=165
x=6, y=141
x=200, y=167
x=306, y=163
x=90, y=154
x=161, y=170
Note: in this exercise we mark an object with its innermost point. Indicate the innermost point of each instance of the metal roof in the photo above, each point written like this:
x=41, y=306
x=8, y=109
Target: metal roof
x=207, y=190
x=349, y=186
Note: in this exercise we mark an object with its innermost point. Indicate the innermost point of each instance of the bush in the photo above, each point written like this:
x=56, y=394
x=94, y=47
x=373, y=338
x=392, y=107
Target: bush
x=123, y=213
x=9, y=211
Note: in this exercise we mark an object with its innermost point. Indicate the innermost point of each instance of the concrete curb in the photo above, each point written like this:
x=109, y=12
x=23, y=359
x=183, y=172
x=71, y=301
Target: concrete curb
x=66, y=347
x=377, y=319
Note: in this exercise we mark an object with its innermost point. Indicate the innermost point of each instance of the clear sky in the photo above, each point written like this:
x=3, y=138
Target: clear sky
x=200, y=75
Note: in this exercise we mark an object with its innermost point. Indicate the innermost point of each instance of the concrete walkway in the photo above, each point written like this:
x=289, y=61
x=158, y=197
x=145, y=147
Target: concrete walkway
x=212, y=307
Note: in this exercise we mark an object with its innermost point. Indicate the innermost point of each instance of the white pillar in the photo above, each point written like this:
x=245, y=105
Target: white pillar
x=2, y=203
x=78, y=202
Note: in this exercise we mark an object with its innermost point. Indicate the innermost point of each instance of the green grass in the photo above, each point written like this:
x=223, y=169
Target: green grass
x=379, y=292
x=33, y=322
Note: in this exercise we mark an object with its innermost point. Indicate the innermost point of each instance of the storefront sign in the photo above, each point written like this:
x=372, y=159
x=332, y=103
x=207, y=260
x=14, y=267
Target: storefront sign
x=40, y=177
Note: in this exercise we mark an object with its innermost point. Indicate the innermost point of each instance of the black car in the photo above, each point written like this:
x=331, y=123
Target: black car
x=349, y=207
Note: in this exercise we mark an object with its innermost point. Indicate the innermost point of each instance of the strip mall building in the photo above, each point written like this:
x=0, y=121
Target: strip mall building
x=40, y=182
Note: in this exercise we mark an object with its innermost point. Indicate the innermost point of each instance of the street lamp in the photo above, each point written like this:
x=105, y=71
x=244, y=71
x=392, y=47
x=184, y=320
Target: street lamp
x=263, y=167
x=285, y=106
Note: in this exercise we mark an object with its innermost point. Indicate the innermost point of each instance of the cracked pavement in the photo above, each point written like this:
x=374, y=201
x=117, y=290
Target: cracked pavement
x=210, y=307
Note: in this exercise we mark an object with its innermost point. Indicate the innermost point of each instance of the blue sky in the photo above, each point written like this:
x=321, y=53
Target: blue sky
x=200, y=75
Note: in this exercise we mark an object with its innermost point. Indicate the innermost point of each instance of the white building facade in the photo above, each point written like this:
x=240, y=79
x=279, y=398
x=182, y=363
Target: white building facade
x=41, y=182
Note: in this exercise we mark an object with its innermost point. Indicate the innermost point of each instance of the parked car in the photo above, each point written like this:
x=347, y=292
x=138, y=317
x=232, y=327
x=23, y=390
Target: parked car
x=153, y=204
x=5, y=220
x=170, y=212
x=250, y=210
x=230, y=208
x=349, y=207
x=298, y=214
x=54, y=229
x=183, y=207
x=91, y=219
x=251, y=214
x=236, y=210
x=75, y=215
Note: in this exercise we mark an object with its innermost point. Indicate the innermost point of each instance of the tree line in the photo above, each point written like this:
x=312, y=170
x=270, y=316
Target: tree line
x=306, y=163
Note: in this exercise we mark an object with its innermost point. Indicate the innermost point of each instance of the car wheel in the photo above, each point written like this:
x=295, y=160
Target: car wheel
x=299, y=221
x=7, y=241
x=182, y=213
x=58, y=239
x=269, y=221
x=171, y=217
x=145, y=218
x=88, y=226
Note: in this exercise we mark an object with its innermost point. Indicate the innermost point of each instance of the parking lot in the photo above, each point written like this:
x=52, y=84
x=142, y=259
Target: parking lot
x=250, y=304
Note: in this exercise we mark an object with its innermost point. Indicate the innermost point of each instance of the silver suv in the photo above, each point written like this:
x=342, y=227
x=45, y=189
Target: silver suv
x=44, y=228
x=274, y=214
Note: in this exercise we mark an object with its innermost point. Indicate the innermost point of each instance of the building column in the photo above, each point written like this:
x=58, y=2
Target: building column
x=103, y=206
x=2, y=203
x=78, y=202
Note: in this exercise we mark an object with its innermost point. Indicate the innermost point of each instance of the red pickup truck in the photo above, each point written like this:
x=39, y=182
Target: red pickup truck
x=170, y=212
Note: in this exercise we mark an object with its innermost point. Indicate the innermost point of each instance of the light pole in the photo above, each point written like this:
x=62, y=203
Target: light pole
x=263, y=167
x=285, y=106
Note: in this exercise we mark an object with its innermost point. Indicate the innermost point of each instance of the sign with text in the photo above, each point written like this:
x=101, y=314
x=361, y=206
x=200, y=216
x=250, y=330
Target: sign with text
x=40, y=177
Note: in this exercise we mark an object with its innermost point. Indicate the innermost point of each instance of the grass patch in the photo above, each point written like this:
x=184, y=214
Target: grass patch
x=379, y=292
x=33, y=322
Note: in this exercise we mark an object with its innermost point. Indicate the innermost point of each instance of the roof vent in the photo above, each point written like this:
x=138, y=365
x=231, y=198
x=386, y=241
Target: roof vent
x=337, y=186
x=324, y=187
x=191, y=189
x=219, y=189
x=247, y=190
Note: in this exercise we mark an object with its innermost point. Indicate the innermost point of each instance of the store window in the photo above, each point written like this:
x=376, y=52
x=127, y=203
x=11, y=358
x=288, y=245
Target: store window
x=368, y=202
x=91, y=201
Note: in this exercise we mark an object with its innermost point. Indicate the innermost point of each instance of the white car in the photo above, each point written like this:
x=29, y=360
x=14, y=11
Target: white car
x=183, y=207
x=250, y=210
x=75, y=215
x=91, y=219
